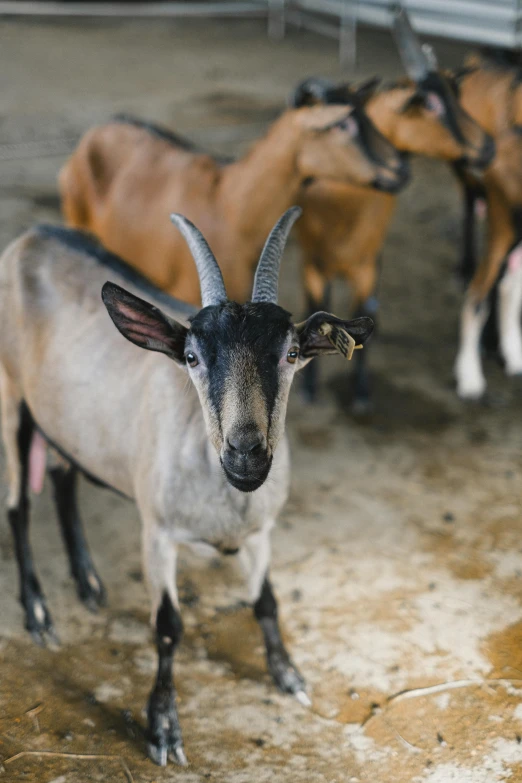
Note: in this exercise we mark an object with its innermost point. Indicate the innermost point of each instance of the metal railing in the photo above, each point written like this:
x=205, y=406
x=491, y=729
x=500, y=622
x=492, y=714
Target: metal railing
x=144, y=9
x=493, y=22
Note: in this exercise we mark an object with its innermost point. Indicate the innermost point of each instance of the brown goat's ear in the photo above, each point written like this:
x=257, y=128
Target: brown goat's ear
x=323, y=333
x=367, y=89
x=322, y=118
x=144, y=324
x=415, y=101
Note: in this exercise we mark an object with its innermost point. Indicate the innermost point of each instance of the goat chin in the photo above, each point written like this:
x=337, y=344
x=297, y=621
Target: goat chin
x=248, y=482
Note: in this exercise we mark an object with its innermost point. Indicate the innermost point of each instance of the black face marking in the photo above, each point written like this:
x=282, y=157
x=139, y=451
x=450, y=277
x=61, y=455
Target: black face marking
x=254, y=335
x=82, y=242
x=369, y=140
x=260, y=328
x=435, y=83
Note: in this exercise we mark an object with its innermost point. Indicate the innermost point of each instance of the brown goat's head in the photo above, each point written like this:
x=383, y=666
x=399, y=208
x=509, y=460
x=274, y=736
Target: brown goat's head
x=425, y=116
x=341, y=142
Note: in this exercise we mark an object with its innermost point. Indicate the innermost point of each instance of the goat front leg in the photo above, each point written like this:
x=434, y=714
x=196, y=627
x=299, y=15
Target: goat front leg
x=365, y=290
x=510, y=303
x=163, y=731
x=471, y=383
x=255, y=558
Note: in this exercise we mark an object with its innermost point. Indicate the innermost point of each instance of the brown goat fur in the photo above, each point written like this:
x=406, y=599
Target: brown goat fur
x=122, y=182
x=343, y=227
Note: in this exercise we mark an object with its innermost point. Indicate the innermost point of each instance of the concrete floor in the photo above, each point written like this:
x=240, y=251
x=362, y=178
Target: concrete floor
x=398, y=559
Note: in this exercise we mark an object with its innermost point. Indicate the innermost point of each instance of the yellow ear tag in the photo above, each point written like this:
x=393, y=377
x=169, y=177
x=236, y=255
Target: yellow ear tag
x=340, y=339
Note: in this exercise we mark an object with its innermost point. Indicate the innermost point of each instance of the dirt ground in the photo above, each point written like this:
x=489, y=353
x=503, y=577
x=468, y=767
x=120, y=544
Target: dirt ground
x=398, y=559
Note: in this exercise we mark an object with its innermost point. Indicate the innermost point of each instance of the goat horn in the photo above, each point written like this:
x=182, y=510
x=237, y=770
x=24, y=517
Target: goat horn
x=210, y=278
x=414, y=58
x=267, y=272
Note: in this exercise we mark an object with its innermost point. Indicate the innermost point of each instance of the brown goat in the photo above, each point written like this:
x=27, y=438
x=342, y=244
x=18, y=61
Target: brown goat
x=501, y=264
x=343, y=227
x=491, y=91
x=125, y=178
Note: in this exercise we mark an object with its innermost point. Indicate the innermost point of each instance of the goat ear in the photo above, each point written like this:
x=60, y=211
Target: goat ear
x=144, y=324
x=416, y=100
x=367, y=89
x=323, y=333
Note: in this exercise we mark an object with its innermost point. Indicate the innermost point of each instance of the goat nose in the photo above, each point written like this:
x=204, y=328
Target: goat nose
x=246, y=443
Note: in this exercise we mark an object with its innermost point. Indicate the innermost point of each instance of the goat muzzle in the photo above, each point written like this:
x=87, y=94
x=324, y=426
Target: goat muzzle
x=393, y=179
x=246, y=461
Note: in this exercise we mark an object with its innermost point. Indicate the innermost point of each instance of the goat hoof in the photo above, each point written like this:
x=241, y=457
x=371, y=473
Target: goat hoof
x=40, y=625
x=164, y=733
x=91, y=591
x=303, y=698
x=286, y=676
x=159, y=754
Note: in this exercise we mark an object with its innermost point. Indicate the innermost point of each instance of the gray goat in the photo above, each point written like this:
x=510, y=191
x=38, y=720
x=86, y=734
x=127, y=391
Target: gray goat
x=194, y=455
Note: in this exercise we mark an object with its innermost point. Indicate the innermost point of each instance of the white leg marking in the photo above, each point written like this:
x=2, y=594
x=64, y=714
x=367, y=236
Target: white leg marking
x=159, y=563
x=255, y=559
x=510, y=302
x=471, y=383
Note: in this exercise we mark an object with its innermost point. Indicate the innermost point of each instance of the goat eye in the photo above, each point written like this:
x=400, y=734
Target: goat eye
x=349, y=124
x=191, y=359
x=292, y=356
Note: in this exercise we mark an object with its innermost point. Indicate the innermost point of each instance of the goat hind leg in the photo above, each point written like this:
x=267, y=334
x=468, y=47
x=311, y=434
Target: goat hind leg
x=255, y=557
x=88, y=584
x=17, y=432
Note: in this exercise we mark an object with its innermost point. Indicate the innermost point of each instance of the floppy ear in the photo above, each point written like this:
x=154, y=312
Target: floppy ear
x=416, y=100
x=144, y=324
x=323, y=333
x=310, y=92
x=367, y=89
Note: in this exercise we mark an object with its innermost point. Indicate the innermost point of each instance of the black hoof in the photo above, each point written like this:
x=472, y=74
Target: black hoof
x=39, y=623
x=164, y=732
x=284, y=674
x=91, y=590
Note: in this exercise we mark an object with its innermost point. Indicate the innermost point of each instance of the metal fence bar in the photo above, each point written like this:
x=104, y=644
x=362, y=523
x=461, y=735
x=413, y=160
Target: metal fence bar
x=240, y=8
x=494, y=22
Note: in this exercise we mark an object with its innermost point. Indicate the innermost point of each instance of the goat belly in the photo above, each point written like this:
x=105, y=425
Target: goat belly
x=37, y=460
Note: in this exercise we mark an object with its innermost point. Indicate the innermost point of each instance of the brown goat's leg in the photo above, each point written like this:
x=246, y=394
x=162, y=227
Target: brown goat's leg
x=365, y=285
x=89, y=585
x=317, y=298
x=362, y=397
x=471, y=382
x=471, y=193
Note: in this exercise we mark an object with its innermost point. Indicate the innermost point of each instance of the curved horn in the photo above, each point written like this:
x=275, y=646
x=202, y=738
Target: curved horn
x=267, y=272
x=210, y=278
x=414, y=59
